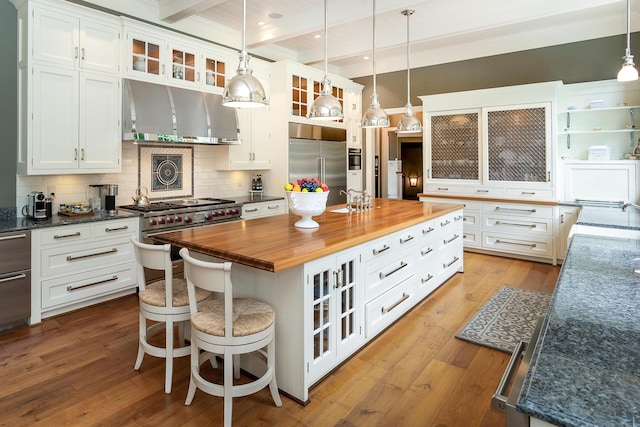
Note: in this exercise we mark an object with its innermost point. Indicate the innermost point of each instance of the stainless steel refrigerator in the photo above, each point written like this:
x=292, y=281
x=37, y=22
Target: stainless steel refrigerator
x=319, y=152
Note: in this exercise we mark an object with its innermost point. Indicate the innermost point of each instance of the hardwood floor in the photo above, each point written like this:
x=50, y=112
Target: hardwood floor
x=77, y=369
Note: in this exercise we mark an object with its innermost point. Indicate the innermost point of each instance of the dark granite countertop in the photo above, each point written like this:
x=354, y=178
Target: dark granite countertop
x=585, y=369
x=10, y=222
x=256, y=198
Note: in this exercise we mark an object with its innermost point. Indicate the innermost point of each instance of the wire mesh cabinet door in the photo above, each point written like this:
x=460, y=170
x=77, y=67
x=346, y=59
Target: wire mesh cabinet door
x=518, y=145
x=454, y=145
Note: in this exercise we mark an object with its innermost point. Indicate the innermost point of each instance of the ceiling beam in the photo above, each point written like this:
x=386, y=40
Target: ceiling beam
x=171, y=11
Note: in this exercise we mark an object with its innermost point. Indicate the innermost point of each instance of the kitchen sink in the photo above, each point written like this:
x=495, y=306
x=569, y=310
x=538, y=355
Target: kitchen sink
x=341, y=210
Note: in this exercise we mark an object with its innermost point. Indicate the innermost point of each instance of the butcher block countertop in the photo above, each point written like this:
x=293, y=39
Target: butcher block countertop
x=274, y=244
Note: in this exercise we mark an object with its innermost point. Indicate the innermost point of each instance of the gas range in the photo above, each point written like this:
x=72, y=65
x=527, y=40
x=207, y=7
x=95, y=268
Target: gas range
x=168, y=215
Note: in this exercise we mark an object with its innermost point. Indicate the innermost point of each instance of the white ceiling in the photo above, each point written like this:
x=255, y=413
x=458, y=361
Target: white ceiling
x=441, y=30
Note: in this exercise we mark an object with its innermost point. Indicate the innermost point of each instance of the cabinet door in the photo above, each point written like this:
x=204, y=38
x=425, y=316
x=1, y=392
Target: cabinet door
x=183, y=65
x=215, y=72
x=260, y=138
x=349, y=315
x=518, y=144
x=56, y=37
x=145, y=57
x=321, y=280
x=568, y=217
x=454, y=146
x=100, y=136
x=99, y=46
x=54, y=126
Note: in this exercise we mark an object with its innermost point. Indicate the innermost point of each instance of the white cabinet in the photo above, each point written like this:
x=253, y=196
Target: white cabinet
x=75, y=266
x=69, y=91
x=354, y=179
x=612, y=181
x=567, y=216
x=260, y=209
x=333, y=312
x=254, y=151
x=144, y=54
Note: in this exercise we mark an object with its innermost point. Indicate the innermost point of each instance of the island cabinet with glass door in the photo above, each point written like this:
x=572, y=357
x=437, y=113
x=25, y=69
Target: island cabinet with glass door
x=495, y=146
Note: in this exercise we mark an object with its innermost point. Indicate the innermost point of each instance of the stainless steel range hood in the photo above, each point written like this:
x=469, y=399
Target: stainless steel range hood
x=159, y=113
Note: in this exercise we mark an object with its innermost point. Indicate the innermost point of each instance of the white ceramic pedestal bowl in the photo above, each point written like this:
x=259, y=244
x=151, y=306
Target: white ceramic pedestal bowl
x=307, y=205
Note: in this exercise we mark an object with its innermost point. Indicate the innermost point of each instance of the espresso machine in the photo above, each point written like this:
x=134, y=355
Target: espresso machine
x=106, y=200
x=38, y=207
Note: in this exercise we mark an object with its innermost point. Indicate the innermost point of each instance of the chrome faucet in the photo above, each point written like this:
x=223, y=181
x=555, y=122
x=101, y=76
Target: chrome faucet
x=629, y=204
x=362, y=199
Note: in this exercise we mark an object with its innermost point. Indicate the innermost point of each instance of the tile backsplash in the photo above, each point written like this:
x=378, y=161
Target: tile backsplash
x=207, y=180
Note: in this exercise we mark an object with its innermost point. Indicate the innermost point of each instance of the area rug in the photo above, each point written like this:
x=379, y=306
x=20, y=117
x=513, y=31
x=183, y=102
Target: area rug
x=509, y=316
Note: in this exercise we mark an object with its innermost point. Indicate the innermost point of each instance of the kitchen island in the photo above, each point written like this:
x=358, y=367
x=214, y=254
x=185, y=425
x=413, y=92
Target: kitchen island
x=336, y=287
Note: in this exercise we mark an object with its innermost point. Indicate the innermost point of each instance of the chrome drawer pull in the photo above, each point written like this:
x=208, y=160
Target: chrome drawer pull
x=15, y=236
x=458, y=218
x=408, y=239
x=64, y=236
x=455, y=258
x=384, y=248
x=530, y=193
x=516, y=225
x=531, y=245
x=74, y=258
x=400, y=267
x=428, y=230
x=251, y=210
x=498, y=208
x=428, y=251
x=499, y=400
x=447, y=222
x=16, y=277
x=395, y=304
x=482, y=191
x=443, y=189
x=126, y=227
x=426, y=279
x=75, y=288
x=445, y=241
x=273, y=206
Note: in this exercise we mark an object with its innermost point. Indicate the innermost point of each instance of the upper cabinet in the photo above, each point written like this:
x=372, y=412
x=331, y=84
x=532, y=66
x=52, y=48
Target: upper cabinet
x=157, y=56
x=69, y=90
x=494, y=144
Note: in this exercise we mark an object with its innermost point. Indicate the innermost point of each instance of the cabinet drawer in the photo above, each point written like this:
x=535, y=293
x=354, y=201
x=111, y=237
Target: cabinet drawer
x=449, y=261
x=70, y=259
x=450, y=239
x=126, y=227
x=537, y=194
x=471, y=219
x=389, y=246
x=426, y=232
x=519, y=225
x=530, y=245
x=256, y=210
x=516, y=209
x=381, y=277
x=84, y=286
x=443, y=188
x=484, y=191
x=449, y=221
x=388, y=307
x=471, y=238
x=65, y=234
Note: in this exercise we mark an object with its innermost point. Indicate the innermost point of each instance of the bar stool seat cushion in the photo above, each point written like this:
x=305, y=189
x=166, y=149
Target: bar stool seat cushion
x=155, y=294
x=249, y=317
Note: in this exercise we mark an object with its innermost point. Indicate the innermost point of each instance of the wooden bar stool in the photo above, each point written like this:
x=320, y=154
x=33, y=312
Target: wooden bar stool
x=229, y=327
x=164, y=301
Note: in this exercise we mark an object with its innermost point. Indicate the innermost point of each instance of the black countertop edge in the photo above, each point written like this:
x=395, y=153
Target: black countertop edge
x=255, y=199
x=11, y=224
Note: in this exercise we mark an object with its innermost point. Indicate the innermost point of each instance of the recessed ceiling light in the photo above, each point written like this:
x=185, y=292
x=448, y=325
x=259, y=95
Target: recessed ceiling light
x=365, y=58
x=275, y=15
x=316, y=36
x=260, y=23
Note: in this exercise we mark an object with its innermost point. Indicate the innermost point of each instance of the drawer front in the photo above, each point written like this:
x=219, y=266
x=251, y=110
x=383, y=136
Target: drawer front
x=453, y=239
x=274, y=208
x=517, y=209
x=84, y=286
x=449, y=262
x=381, y=277
x=426, y=232
x=65, y=234
x=127, y=227
x=519, y=225
x=443, y=188
x=471, y=219
x=472, y=238
x=70, y=259
x=484, y=191
x=534, y=194
x=256, y=210
x=388, y=307
x=530, y=245
x=390, y=246
x=449, y=221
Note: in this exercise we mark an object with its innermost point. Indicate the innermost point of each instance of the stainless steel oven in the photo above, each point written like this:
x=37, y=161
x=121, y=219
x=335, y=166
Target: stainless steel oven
x=355, y=159
x=15, y=279
x=508, y=391
x=173, y=215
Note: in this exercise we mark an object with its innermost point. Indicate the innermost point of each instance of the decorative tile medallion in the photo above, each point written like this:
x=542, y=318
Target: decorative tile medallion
x=165, y=171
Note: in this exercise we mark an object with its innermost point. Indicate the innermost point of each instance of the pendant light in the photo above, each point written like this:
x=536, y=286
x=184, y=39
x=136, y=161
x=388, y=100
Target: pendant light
x=374, y=117
x=408, y=122
x=244, y=90
x=326, y=106
x=628, y=72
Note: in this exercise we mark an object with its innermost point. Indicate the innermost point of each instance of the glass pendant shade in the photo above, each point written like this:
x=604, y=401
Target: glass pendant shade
x=408, y=122
x=628, y=72
x=326, y=106
x=244, y=90
x=374, y=116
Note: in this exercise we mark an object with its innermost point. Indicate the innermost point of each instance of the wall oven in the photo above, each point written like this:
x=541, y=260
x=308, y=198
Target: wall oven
x=355, y=159
x=508, y=391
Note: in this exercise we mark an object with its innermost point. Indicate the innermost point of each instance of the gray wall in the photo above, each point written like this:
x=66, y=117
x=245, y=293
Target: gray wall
x=591, y=60
x=8, y=104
